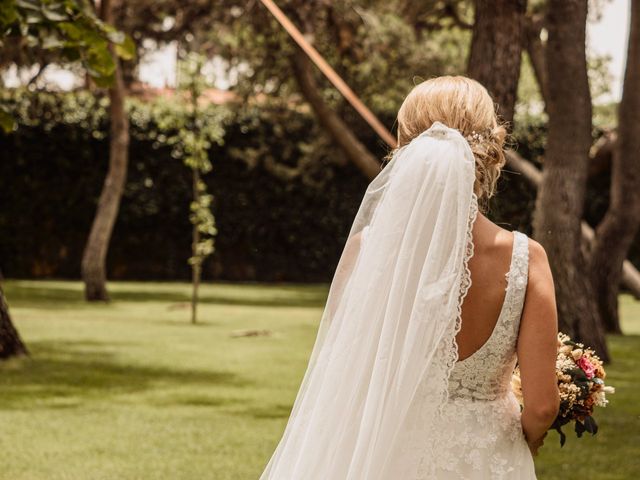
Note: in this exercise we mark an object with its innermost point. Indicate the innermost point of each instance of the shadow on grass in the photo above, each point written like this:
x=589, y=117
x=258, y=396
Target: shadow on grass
x=268, y=411
x=66, y=295
x=34, y=295
x=307, y=299
x=63, y=374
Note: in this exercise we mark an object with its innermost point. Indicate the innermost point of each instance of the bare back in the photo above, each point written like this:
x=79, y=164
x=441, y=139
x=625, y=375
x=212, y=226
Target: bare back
x=493, y=248
x=537, y=326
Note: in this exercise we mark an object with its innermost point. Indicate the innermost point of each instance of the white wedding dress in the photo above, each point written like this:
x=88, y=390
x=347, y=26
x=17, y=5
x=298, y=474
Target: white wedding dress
x=480, y=434
x=384, y=397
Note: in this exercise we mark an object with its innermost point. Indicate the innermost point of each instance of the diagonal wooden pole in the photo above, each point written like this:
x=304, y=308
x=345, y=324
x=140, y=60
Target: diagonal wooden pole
x=631, y=276
x=330, y=73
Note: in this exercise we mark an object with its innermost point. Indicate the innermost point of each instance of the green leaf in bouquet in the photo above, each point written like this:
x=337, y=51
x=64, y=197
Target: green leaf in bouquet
x=580, y=428
x=557, y=426
x=563, y=437
x=578, y=374
x=590, y=425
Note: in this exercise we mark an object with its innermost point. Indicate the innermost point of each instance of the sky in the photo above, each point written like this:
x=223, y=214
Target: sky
x=609, y=36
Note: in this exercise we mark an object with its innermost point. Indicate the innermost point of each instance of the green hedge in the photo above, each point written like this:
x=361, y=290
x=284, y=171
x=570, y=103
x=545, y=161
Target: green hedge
x=271, y=227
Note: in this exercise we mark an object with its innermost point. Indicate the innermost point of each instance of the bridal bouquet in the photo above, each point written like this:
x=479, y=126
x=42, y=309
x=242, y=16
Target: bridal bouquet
x=581, y=383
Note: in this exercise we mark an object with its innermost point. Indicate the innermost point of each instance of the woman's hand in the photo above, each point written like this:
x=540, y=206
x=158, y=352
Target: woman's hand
x=534, y=446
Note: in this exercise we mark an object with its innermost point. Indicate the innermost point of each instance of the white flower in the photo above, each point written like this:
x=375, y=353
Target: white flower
x=516, y=386
x=563, y=364
x=600, y=399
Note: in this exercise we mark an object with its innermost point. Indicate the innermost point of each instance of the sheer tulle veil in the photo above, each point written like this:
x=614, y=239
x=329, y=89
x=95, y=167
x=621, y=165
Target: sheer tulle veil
x=386, y=340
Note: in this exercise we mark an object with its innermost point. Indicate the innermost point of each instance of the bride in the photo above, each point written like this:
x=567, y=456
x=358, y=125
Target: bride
x=430, y=307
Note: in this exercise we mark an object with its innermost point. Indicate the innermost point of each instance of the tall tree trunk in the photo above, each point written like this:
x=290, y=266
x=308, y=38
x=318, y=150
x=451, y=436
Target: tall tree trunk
x=355, y=151
x=95, y=252
x=496, y=50
x=559, y=204
x=619, y=226
x=10, y=343
x=630, y=274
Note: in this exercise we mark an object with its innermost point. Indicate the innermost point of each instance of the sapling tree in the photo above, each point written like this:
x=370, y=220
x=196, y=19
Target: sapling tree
x=191, y=133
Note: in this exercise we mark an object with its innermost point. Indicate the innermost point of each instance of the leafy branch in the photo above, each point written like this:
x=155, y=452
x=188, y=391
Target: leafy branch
x=70, y=27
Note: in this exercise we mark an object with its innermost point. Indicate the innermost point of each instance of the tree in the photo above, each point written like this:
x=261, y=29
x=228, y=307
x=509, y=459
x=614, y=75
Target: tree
x=330, y=120
x=195, y=133
x=11, y=344
x=559, y=204
x=95, y=253
x=496, y=50
x=72, y=31
x=378, y=49
x=534, y=24
x=600, y=159
x=618, y=228
x=35, y=31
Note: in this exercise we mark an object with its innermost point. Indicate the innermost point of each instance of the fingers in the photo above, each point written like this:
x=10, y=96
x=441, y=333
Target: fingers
x=535, y=445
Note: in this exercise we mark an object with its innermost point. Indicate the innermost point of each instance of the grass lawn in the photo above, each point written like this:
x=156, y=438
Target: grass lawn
x=131, y=390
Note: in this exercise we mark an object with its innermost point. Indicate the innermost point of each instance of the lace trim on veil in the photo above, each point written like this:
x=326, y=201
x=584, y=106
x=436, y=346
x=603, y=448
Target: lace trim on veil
x=378, y=415
x=465, y=284
x=424, y=447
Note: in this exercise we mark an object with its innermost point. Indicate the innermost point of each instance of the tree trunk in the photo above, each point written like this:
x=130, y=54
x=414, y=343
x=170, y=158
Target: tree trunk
x=355, y=151
x=10, y=343
x=95, y=252
x=496, y=50
x=630, y=274
x=619, y=226
x=559, y=204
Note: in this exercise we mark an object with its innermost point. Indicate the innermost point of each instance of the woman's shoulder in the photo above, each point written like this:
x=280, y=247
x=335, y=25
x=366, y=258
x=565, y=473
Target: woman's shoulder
x=540, y=286
x=493, y=238
x=505, y=237
x=537, y=253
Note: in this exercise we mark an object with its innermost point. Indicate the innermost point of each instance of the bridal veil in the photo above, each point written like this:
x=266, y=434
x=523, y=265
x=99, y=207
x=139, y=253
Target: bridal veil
x=386, y=340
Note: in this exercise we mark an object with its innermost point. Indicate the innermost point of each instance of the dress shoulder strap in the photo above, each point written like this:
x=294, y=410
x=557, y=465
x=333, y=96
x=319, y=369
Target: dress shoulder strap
x=519, y=271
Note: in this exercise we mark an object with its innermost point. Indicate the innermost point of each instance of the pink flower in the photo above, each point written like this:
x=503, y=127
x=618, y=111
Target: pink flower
x=586, y=366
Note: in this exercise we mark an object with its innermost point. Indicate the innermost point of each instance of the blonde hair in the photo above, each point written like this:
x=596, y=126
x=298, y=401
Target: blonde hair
x=464, y=104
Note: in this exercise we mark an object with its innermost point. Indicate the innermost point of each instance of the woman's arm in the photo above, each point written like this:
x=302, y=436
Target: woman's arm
x=343, y=271
x=537, y=350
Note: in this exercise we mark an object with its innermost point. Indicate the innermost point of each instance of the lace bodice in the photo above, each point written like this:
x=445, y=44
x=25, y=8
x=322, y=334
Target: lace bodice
x=479, y=433
x=486, y=374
